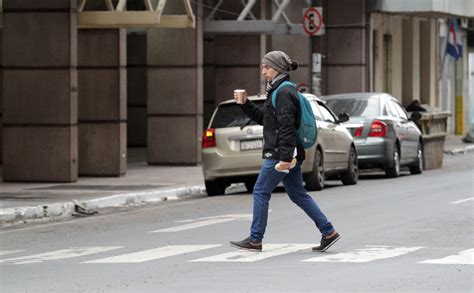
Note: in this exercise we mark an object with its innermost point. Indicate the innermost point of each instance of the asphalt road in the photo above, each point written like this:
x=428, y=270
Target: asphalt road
x=413, y=233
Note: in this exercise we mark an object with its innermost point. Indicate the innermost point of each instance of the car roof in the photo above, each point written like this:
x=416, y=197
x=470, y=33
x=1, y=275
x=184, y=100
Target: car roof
x=310, y=97
x=364, y=95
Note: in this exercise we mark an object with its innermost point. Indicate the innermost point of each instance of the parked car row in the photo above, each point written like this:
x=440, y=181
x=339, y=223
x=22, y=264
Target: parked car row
x=370, y=130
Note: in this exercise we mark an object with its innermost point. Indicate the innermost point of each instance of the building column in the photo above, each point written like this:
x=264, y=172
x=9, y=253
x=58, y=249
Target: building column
x=411, y=55
x=175, y=92
x=428, y=60
x=345, y=63
x=102, y=102
x=40, y=90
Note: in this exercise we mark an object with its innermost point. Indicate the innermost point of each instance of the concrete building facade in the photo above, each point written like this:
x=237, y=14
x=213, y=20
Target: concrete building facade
x=73, y=99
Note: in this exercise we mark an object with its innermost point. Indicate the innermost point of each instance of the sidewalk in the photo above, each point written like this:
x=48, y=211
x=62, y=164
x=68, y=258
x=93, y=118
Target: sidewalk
x=143, y=184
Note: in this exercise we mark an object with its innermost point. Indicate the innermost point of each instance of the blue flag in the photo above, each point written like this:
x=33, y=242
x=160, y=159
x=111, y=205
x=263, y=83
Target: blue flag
x=454, y=46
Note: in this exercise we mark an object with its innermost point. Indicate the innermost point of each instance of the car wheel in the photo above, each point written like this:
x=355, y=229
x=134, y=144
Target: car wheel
x=250, y=183
x=417, y=166
x=315, y=179
x=214, y=187
x=351, y=176
x=394, y=170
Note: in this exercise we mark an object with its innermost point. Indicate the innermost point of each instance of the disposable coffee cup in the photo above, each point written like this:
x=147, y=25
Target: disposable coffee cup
x=241, y=94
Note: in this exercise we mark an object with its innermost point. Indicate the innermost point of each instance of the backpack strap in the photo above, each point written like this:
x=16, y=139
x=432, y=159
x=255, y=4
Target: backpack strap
x=274, y=94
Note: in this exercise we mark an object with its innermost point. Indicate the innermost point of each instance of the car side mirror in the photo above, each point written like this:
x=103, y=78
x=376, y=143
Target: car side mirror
x=343, y=117
x=415, y=116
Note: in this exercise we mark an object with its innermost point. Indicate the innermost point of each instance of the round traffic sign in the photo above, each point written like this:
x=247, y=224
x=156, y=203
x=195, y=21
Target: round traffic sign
x=312, y=21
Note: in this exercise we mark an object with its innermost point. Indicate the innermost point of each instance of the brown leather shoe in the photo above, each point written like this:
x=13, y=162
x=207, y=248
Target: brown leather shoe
x=247, y=244
x=327, y=242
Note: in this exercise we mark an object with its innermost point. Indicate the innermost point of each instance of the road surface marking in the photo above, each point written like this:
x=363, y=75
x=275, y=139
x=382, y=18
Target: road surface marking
x=463, y=200
x=193, y=225
x=4, y=252
x=269, y=250
x=152, y=254
x=58, y=254
x=201, y=222
x=364, y=254
x=465, y=257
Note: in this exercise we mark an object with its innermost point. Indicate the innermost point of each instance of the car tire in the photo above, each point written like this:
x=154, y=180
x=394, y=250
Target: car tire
x=394, y=170
x=351, y=176
x=250, y=183
x=214, y=187
x=417, y=166
x=315, y=179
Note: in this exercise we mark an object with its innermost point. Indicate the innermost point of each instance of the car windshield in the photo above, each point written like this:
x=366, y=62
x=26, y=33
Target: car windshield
x=355, y=107
x=230, y=115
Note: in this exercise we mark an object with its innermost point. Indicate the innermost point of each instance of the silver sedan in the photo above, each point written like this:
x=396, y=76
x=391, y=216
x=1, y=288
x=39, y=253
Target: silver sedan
x=384, y=135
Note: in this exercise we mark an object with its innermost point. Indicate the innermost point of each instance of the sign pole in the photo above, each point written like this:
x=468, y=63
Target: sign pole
x=314, y=59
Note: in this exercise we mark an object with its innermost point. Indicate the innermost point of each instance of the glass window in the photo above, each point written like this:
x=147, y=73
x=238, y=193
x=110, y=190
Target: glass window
x=389, y=111
x=356, y=107
x=400, y=111
x=328, y=117
x=316, y=111
x=230, y=115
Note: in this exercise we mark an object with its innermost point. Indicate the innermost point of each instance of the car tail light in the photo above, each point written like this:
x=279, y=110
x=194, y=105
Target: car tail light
x=378, y=129
x=358, y=132
x=209, y=138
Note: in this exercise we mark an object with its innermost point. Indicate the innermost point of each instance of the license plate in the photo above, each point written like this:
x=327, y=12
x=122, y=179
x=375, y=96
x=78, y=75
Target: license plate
x=246, y=145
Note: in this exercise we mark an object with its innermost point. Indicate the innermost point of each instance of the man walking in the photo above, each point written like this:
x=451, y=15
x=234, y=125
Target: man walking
x=280, y=124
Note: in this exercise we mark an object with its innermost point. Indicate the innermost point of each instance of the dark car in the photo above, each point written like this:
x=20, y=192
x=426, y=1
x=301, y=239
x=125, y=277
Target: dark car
x=384, y=136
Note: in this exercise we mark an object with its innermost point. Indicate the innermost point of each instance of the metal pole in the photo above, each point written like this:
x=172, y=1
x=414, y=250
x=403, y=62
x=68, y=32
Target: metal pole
x=313, y=48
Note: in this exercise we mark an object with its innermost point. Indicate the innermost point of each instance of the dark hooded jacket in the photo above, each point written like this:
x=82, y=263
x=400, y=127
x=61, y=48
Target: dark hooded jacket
x=279, y=124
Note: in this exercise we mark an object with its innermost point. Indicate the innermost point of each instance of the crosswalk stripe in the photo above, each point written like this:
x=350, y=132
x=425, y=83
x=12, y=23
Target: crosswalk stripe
x=58, y=254
x=5, y=252
x=152, y=254
x=365, y=254
x=194, y=225
x=269, y=250
x=465, y=257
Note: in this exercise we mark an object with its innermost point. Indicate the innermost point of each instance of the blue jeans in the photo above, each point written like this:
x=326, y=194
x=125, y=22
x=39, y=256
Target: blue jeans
x=267, y=180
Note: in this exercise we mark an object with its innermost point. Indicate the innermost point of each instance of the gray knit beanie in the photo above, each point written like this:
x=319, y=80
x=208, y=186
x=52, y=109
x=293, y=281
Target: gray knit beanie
x=279, y=61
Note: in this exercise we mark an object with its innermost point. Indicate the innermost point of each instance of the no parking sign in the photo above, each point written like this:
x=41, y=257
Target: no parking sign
x=313, y=21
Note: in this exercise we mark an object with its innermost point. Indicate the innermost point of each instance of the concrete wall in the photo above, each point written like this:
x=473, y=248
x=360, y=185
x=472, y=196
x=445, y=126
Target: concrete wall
x=102, y=102
x=296, y=46
x=429, y=62
x=40, y=90
x=388, y=61
x=175, y=80
x=344, y=46
x=411, y=56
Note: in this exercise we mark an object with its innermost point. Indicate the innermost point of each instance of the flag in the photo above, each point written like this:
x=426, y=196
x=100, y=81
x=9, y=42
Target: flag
x=454, y=46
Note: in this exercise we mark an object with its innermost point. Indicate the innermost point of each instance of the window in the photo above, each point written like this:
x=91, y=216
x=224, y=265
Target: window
x=230, y=115
x=400, y=111
x=356, y=106
x=328, y=117
x=316, y=111
x=389, y=110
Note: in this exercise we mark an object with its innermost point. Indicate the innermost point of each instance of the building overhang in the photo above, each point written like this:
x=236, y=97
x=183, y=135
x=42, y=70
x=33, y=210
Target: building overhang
x=426, y=8
x=116, y=16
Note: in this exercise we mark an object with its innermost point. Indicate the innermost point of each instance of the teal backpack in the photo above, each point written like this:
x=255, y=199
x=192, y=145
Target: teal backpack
x=307, y=132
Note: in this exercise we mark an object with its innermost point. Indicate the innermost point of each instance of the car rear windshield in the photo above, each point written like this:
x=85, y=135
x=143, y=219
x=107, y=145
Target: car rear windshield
x=230, y=115
x=355, y=107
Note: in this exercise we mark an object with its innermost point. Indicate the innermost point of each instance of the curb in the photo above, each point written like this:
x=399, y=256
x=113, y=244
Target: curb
x=62, y=210
x=463, y=150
